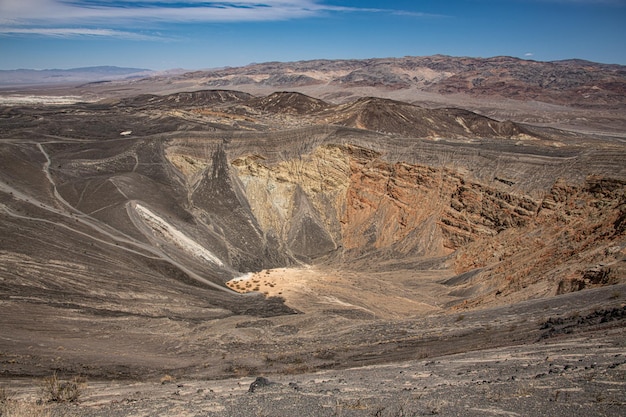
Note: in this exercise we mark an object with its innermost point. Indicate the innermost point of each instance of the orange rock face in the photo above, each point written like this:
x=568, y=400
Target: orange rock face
x=350, y=200
x=386, y=203
x=572, y=241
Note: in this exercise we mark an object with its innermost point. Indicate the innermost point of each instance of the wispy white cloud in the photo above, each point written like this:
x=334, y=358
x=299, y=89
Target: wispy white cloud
x=77, y=32
x=111, y=18
x=118, y=12
x=86, y=12
x=57, y=17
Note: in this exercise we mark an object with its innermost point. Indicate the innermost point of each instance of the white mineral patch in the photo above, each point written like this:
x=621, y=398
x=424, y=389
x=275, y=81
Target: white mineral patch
x=244, y=277
x=32, y=99
x=175, y=236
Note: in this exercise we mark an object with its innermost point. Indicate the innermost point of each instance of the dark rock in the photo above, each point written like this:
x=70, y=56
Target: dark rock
x=259, y=382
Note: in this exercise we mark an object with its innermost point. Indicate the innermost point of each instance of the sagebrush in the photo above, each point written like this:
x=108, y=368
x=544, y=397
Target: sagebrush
x=56, y=390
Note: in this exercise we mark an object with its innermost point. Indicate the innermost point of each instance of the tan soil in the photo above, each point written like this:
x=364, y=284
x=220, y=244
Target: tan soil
x=315, y=289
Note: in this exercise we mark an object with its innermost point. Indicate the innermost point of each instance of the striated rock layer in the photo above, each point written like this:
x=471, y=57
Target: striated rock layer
x=524, y=222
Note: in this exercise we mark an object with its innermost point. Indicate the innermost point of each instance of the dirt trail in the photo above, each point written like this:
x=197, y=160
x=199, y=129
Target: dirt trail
x=77, y=216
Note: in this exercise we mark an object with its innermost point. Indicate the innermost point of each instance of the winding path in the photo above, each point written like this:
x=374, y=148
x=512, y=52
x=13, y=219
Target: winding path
x=137, y=247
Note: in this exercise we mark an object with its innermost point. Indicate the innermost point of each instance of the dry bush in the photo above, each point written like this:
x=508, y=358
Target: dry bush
x=56, y=390
x=435, y=405
x=296, y=369
x=324, y=354
x=13, y=408
x=239, y=369
x=5, y=395
x=167, y=379
x=9, y=407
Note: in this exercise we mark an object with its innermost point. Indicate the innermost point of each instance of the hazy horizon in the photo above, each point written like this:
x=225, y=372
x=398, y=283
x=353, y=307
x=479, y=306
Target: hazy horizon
x=164, y=70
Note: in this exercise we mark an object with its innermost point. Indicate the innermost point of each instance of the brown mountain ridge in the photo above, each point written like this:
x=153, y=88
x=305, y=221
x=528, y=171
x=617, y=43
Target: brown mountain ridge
x=569, y=82
x=571, y=94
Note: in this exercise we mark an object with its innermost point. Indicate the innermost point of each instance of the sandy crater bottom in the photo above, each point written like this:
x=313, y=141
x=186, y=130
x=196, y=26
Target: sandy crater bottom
x=379, y=294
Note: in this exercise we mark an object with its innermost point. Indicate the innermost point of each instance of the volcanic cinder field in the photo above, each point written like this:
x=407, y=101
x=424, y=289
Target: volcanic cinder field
x=372, y=238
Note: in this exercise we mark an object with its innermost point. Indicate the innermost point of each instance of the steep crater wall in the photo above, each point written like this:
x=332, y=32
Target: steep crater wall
x=535, y=218
x=361, y=207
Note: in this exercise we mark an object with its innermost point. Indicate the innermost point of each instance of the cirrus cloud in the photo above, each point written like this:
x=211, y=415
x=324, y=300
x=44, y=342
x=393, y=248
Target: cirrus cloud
x=77, y=32
x=49, y=12
x=75, y=18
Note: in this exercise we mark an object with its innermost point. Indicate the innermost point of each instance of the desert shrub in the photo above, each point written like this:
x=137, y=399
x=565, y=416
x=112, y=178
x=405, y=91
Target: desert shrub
x=325, y=354
x=167, y=379
x=297, y=369
x=56, y=390
x=238, y=369
x=406, y=408
x=10, y=407
x=5, y=395
x=13, y=408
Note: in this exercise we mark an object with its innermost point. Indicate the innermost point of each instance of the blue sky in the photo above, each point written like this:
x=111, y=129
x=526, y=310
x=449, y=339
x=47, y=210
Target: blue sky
x=195, y=34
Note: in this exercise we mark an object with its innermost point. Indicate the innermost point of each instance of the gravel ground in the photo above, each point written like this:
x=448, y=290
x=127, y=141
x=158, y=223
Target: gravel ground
x=580, y=375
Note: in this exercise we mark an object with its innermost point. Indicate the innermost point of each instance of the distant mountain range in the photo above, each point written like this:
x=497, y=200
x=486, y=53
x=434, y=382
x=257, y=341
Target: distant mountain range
x=574, y=83
x=23, y=77
x=570, y=82
x=502, y=88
